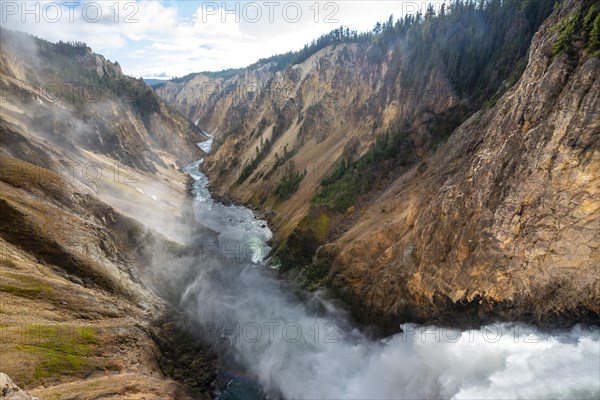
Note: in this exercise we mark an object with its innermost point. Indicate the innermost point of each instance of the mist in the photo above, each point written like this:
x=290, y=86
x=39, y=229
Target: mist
x=262, y=331
x=299, y=350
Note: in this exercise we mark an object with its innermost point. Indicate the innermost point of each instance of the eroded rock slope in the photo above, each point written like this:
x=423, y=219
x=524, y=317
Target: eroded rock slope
x=92, y=204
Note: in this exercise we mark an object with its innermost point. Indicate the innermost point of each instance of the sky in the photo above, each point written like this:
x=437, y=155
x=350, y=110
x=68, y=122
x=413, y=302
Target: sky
x=169, y=38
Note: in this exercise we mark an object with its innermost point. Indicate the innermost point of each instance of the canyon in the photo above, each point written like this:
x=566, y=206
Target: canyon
x=491, y=211
x=438, y=174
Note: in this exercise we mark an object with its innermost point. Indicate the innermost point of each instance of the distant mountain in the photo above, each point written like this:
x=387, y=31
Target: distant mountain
x=154, y=82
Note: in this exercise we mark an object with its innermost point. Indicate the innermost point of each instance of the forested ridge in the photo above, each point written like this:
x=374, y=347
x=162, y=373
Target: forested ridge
x=480, y=48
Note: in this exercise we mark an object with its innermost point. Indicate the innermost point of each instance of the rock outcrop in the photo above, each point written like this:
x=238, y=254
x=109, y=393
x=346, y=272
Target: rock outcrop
x=10, y=391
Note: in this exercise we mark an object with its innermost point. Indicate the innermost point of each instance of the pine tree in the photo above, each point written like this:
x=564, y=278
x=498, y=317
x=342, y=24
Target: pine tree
x=595, y=34
x=566, y=36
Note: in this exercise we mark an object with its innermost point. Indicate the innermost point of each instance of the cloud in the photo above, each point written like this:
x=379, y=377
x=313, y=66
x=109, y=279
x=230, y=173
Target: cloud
x=150, y=37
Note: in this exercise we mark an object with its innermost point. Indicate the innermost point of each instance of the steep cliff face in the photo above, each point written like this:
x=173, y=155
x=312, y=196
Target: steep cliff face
x=498, y=220
x=505, y=221
x=91, y=198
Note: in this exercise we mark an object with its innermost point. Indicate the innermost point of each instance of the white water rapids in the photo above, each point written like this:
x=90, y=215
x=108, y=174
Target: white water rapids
x=296, y=353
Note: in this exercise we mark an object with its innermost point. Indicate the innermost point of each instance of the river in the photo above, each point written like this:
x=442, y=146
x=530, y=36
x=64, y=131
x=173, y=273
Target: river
x=273, y=345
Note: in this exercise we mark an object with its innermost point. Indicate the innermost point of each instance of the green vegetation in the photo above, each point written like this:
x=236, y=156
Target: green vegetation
x=336, y=36
x=322, y=226
x=279, y=161
x=567, y=29
x=595, y=34
x=261, y=153
x=349, y=179
x=281, y=125
x=26, y=287
x=63, y=351
x=312, y=277
x=290, y=182
x=576, y=29
x=591, y=24
x=476, y=46
x=340, y=194
x=588, y=20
